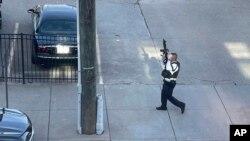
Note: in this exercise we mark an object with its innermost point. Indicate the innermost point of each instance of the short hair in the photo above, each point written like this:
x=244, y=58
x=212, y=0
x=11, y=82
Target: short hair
x=175, y=54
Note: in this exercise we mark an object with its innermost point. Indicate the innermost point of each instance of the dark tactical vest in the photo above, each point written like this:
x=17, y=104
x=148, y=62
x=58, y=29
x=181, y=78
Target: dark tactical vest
x=166, y=74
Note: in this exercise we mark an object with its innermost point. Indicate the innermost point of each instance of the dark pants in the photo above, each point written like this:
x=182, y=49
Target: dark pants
x=167, y=94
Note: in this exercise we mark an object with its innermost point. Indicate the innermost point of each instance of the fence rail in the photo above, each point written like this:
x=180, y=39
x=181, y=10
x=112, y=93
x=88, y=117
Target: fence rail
x=27, y=58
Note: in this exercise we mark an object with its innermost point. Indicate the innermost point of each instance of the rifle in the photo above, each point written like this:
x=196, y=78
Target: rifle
x=164, y=51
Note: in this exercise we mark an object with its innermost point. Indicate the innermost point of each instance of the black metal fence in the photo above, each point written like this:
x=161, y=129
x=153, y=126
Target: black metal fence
x=21, y=59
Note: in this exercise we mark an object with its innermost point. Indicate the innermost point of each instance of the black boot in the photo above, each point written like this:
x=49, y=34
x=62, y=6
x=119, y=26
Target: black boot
x=161, y=108
x=183, y=108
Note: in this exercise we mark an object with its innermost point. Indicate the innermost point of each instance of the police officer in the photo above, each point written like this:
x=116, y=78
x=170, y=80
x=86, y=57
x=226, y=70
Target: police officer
x=170, y=73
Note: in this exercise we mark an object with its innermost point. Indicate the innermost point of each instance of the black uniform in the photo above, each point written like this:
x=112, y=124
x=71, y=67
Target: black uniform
x=170, y=74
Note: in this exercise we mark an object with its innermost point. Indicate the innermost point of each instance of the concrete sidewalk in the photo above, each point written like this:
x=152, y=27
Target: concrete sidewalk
x=52, y=109
x=130, y=111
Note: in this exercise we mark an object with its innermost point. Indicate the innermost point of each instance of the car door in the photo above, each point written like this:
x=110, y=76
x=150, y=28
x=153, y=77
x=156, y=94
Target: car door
x=35, y=16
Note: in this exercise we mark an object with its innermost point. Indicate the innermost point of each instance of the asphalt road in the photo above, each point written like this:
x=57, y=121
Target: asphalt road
x=16, y=20
x=211, y=37
x=15, y=12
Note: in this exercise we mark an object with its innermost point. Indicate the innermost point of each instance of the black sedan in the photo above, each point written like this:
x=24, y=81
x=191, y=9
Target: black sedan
x=54, y=32
x=15, y=126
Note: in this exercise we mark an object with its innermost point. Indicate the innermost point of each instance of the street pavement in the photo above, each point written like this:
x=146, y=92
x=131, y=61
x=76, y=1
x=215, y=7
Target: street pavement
x=212, y=41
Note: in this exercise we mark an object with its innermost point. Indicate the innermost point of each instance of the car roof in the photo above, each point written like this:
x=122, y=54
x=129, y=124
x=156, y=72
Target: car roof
x=58, y=12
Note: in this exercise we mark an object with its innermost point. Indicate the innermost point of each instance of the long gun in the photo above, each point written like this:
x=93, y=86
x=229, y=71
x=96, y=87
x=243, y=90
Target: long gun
x=164, y=51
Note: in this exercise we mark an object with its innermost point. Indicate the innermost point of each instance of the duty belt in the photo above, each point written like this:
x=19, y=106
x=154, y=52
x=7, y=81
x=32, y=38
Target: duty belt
x=169, y=79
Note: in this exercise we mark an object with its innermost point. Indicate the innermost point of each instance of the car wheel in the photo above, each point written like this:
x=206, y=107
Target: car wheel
x=34, y=60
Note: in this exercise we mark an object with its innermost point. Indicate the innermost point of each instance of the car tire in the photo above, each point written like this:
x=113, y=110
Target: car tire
x=34, y=60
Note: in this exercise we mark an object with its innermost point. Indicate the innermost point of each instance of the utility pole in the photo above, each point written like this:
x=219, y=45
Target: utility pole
x=86, y=28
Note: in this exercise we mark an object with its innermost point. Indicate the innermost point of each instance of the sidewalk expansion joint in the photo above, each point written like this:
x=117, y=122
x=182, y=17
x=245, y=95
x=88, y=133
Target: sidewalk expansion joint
x=50, y=96
x=106, y=108
x=223, y=104
x=144, y=18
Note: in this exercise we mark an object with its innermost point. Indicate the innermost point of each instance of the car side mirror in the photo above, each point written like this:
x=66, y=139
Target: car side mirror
x=31, y=11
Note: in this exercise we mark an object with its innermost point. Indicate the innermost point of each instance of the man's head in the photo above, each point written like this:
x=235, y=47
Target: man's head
x=172, y=56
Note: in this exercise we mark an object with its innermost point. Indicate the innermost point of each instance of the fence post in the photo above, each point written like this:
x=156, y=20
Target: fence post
x=1, y=56
x=6, y=80
x=22, y=58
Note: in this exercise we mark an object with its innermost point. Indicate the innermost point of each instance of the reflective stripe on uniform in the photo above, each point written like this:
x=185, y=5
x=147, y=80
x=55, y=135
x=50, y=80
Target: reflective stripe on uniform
x=169, y=79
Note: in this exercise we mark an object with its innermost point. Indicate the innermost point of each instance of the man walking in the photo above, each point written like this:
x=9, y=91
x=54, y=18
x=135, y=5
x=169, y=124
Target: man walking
x=170, y=73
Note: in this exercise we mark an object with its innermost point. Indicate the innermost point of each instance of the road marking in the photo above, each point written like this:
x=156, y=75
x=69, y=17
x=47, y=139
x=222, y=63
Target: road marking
x=12, y=48
x=99, y=60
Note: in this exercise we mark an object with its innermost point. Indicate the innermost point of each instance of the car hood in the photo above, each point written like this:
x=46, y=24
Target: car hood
x=13, y=124
x=42, y=39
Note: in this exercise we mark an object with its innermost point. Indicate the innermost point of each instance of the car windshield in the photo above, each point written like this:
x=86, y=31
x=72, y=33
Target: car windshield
x=58, y=27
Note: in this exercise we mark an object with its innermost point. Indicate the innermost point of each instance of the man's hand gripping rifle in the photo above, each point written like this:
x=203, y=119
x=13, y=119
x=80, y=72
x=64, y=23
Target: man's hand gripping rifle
x=164, y=55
